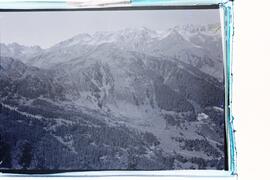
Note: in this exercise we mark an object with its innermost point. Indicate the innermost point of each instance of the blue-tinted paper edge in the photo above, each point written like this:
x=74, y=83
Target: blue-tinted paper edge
x=228, y=31
x=176, y=2
x=63, y=4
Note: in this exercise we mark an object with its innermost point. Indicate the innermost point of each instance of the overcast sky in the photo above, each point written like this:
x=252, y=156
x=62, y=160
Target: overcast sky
x=47, y=28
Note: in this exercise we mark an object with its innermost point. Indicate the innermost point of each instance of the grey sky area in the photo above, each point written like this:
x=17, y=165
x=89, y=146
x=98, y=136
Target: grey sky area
x=48, y=28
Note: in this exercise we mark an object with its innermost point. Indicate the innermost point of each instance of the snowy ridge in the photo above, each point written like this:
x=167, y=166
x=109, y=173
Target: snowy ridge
x=20, y=112
x=175, y=42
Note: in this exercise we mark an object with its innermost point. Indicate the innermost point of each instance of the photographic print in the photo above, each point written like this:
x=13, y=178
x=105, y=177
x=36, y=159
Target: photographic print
x=112, y=90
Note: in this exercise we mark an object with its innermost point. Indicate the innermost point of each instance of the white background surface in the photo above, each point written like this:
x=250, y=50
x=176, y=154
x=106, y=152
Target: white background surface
x=251, y=89
x=251, y=94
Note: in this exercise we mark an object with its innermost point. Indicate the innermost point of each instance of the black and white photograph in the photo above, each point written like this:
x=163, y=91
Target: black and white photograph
x=112, y=90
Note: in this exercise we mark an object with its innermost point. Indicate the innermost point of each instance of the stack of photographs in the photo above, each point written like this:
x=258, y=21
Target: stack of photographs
x=129, y=89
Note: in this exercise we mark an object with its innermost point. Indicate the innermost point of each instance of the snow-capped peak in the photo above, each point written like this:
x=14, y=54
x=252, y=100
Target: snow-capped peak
x=78, y=39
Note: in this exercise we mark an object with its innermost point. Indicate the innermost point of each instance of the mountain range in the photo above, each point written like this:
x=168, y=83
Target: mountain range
x=128, y=99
